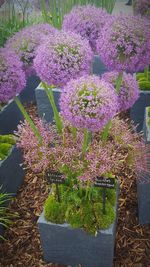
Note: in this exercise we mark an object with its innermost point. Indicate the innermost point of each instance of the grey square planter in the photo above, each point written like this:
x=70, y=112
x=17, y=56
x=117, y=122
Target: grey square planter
x=143, y=195
x=43, y=105
x=28, y=94
x=98, y=66
x=65, y=245
x=11, y=174
x=143, y=184
x=11, y=171
x=138, y=109
x=146, y=126
x=10, y=116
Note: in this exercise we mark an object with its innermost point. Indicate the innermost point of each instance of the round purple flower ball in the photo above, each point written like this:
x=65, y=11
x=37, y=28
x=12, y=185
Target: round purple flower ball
x=62, y=58
x=12, y=77
x=88, y=21
x=88, y=102
x=26, y=42
x=124, y=44
x=129, y=91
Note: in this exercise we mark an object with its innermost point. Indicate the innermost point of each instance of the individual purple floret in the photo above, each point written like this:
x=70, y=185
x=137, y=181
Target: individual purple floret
x=129, y=91
x=62, y=58
x=12, y=77
x=124, y=44
x=88, y=21
x=25, y=43
x=89, y=102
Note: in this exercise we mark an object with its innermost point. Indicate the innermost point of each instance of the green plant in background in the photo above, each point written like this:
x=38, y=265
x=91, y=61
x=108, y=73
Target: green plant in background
x=54, y=11
x=144, y=80
x=6, y=143
x=10, y=22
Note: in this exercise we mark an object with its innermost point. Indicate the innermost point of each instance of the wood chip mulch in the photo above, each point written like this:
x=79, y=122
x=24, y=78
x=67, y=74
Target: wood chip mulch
x=22, y=246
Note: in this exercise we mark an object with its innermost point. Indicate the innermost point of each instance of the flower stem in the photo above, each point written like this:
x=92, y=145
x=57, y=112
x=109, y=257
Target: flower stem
x=86, y=141
x=28, y=119
x=119, y=82
x=105, y=132
x=146, y=73
x=57, y=118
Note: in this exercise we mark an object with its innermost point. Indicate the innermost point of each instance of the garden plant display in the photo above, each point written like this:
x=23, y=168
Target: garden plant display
x=83, y=150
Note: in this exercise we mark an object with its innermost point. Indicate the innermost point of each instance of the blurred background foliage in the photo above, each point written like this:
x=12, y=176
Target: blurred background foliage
x=17, y=14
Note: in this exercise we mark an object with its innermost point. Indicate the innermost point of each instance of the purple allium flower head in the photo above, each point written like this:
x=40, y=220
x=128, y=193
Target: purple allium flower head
x=88, y=21
x=129, y=91
x=62, y=58
x=125, y=43
x=89, y=102
x=25, y=43
x=12, y=77
x=142, y=7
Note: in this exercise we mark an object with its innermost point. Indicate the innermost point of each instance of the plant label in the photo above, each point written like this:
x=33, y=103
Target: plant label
x=104, y=182
x=55, y=177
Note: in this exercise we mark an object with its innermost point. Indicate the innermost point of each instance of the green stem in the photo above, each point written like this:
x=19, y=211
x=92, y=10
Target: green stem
x=86, y=141
x=105, y=132
x=119, y=82
x=74, y=132
x=57, y=118
x=146, y=73
x=28, y=119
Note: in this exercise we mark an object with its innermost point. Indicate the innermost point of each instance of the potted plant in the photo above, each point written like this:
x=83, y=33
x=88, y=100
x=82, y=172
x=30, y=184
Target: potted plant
x=122, y=56
x=11, y=170
x=80, y=160
x=88, y=21
x=24, y=43
x=67, y=54
x=12, y=82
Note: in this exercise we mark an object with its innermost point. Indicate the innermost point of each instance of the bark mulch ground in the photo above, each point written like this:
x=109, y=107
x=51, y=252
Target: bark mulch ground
x=22, y=246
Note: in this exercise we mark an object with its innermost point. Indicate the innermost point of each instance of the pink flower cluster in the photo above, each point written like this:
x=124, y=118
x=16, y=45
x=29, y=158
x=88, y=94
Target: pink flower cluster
x=25, y=43
x=65, y=155
x=129, y=91
x=64, y=57
x=88, y=21
x=88, y=102
x=124, y=43
x=12, y=77
x=37, y=157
